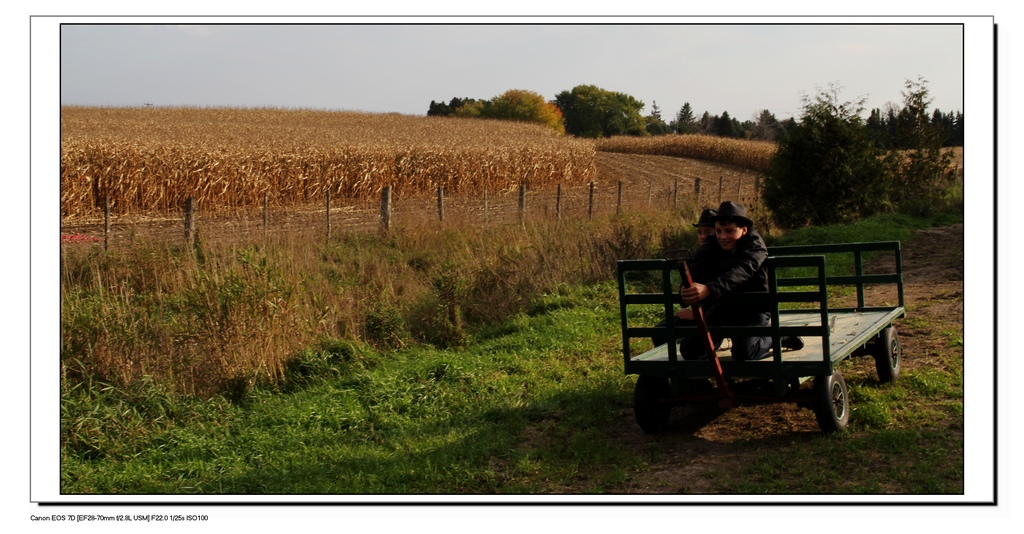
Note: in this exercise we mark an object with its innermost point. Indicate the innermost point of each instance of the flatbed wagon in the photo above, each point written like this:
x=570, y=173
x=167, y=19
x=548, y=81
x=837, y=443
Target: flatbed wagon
x=798, y=300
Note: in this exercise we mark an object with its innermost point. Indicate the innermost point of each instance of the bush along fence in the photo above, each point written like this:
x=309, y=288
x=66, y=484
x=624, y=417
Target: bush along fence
x=516, y=206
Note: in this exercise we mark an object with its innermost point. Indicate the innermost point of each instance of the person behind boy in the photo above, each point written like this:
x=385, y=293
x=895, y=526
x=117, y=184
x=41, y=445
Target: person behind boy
x=705, y=226
x=705, y=229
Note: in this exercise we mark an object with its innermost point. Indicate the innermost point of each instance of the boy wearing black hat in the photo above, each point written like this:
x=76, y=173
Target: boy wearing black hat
x=733, y=261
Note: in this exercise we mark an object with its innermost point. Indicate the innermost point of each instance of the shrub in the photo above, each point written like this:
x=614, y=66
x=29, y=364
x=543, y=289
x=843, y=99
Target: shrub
x=924, y=175
x=384, y=324
x=439, y=316
x=827, y=170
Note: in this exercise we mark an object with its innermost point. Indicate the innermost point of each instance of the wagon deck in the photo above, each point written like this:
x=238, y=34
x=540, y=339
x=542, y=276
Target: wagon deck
x=848, y=331
x=798, y=299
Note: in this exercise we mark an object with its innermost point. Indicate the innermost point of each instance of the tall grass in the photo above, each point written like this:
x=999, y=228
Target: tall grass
x=521, y=411
x=229, y=314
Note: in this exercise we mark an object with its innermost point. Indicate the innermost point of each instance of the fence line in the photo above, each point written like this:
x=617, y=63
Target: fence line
x=565, y=202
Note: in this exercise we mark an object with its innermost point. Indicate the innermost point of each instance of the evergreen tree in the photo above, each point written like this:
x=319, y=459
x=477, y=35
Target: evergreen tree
x=785, y=126
x=767, y=126
x=654, y=123
x=827, y=169
x=878, y=130
x=957, y=136
x=743, y=129
x=706, y=125
x=724, y=126
x=685, y=121
x=892, y=121
x=438, y=109
x=922, y=170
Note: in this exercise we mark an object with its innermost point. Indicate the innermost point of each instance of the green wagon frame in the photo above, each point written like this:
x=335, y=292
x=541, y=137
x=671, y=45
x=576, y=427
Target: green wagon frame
x=798, y=299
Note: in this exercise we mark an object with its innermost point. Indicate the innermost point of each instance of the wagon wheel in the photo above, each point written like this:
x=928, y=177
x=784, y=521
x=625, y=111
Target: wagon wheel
x=886, y=351
x=651, y=415
x=831, y=402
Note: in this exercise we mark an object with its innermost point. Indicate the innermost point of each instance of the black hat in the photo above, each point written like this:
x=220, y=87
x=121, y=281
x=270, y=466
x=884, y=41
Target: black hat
x=707, y=218
x=731, y=211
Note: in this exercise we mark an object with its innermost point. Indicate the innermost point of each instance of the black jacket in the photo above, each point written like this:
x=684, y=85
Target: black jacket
x=724, y=272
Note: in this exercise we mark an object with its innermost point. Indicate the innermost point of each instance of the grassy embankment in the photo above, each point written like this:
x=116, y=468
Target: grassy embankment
x=519, y=403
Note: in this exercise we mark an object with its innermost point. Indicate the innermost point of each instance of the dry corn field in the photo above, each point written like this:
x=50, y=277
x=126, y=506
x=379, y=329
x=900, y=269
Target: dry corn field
x=753, y=155
x=149, y=160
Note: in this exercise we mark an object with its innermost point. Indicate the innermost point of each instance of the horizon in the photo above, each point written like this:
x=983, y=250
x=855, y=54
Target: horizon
x=394, y=68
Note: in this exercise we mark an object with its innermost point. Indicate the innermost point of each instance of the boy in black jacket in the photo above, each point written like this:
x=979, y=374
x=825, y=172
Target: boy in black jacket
x=734, y=261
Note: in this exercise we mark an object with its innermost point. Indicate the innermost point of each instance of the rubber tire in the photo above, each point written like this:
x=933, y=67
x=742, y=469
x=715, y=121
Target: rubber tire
x=651, y=416
x=831, y=402
x=886, y=351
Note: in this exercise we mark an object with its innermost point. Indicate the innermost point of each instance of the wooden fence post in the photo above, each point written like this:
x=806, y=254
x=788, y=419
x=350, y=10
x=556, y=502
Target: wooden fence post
x=265, y=214
x=328, y=214
x=440, y=204
x=590, y=207
x=106, y=222
x=719, y=189
x=522, y=203
x=650, y=188
x=675, y=196
x=486, y=213
x=558, y=203
x=739, y=189
x=618, y=203
x=385, y=209
x=190, y=220
x=696, y=191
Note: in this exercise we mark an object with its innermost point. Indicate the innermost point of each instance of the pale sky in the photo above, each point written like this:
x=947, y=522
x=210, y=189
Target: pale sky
x=738, y=68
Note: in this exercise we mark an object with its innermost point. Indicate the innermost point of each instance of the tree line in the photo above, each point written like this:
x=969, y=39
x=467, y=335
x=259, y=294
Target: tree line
x=835, y=167
x=832, y=165
x=594, y=112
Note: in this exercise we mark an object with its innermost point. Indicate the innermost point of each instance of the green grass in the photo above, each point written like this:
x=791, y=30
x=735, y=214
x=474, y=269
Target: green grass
x=885, y=227
x=521, y=411
x=522, y=406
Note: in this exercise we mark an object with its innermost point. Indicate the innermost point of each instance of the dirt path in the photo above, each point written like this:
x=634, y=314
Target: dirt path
x=702, y=440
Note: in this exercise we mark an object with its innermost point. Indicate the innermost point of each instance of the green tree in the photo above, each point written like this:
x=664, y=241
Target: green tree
x=438, y=109
x=726, y=126
x=684, y=122
x=785, y=126
x=655, y=125
x=892, y=121
x=878, y=130
x=706, y=125
x=958, y=130
x=827, y=169
x=451, y=108
x=471, y=109
x=590, y=111
x=922, y=171
x=767, y=126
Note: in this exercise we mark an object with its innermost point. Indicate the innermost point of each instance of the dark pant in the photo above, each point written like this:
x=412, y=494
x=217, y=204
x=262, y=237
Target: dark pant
x=743, y=348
